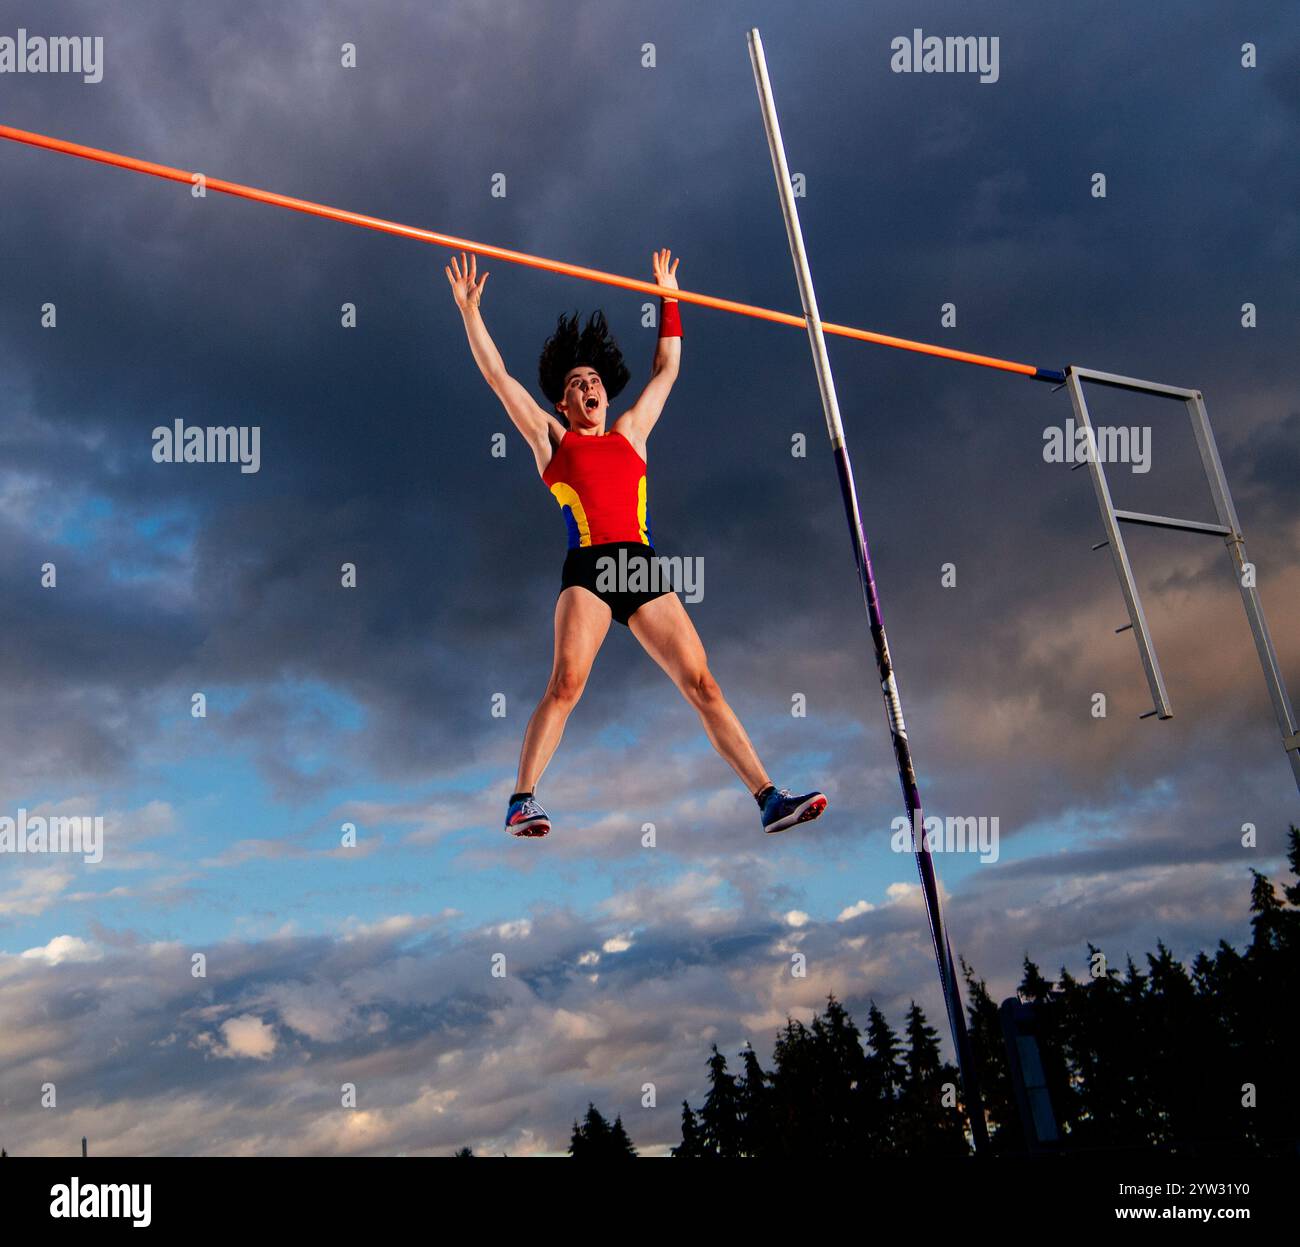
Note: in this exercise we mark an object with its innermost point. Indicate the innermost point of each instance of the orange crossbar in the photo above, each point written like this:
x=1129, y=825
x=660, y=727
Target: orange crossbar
x=498, y=253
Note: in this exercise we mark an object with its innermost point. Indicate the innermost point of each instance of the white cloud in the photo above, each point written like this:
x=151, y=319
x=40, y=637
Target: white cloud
x=246, y=1036
x=694, y=900
x=519, y=929
x=37, y=889
x=855, y=910
x=65, y=948
x=391, y=927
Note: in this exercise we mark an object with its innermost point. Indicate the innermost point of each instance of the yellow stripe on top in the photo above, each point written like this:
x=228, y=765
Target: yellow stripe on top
x=567, y=496
x=640, y=510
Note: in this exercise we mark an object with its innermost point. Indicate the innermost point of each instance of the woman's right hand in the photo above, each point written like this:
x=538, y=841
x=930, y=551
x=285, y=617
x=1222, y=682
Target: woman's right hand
x=466, y=287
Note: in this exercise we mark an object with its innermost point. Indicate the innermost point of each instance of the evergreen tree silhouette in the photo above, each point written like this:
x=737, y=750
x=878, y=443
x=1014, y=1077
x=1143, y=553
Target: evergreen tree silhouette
x=619, y=1144
x=692, y=1144
x=465, y=1151
x=841, y=1067
x=592, y=1138
x=1089, y=1013
x=1292, y=890
x=882, y=1085
x=1142, y=1107
x=928, y=1127
x=795, y=1091
x=720, y=1116
x=756, y=1104
x=988, y=1048
x=596, y=1139
x=1267, y=1019
x=1183, y=1039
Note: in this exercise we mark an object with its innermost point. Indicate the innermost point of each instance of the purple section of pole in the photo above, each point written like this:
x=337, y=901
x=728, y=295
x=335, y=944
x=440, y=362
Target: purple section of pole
x=912, y=801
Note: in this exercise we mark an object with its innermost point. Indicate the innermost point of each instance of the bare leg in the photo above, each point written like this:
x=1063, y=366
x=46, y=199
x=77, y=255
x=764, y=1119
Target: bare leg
x=581, y=623
x=667, y=634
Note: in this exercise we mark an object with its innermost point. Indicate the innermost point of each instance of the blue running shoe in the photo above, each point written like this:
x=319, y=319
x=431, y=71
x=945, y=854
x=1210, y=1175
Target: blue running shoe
x=782, y=810
x=527, y=818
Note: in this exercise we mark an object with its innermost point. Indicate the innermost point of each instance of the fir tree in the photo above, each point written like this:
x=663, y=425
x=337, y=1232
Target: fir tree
x=755, y=1103
x=593, y=1138
x=619, y=1144
x=692, y=1143
x=928, y=1125
x=989, y=1052
x=719, y=1118
x=796, y=1091
x=841, y=1065
x=883, y=1075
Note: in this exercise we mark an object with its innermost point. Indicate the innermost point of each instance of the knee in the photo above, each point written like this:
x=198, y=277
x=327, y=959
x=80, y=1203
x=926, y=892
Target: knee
x=566, y=686
x=701, y=688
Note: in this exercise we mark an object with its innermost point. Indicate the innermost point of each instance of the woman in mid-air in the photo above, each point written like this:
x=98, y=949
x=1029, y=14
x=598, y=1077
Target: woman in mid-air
x=599, y=480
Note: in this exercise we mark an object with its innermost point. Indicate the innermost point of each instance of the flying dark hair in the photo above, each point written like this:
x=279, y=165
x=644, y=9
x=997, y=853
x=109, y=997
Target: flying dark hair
x=593, y=347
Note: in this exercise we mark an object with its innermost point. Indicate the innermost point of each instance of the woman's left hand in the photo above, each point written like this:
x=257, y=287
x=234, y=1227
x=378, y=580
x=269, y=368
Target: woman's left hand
x=666, y=275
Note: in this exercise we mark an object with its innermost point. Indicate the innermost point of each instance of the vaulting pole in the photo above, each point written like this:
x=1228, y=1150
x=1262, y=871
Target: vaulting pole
x=893, y=707
x=191, y=178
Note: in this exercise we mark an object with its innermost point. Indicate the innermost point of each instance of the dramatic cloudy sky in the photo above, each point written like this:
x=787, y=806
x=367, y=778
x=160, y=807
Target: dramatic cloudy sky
x=373, y=965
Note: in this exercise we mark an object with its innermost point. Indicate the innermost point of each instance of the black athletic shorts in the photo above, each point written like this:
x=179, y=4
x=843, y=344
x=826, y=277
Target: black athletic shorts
x=581, y=567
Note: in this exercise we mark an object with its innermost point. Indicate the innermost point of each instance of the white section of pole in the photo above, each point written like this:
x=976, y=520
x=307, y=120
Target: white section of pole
x=817, y=339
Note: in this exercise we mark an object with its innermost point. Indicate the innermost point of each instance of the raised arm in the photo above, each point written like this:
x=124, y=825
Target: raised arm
x=524, y=413
x=641, y=417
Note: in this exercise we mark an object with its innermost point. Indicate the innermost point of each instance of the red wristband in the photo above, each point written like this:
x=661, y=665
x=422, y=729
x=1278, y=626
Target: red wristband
x=670, y=319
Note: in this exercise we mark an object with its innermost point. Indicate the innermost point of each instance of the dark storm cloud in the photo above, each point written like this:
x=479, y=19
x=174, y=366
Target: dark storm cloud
x=376, y=441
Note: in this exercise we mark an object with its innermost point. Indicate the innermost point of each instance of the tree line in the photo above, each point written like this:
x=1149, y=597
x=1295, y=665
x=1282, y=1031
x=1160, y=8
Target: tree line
x=1160, y=1058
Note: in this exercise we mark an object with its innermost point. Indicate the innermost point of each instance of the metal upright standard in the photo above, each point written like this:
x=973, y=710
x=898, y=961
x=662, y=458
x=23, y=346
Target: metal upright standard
x=1228, y=528
x=1029, y=1086
x=862, y=556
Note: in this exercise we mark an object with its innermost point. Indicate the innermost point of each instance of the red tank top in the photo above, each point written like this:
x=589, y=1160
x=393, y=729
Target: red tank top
x=600, y=483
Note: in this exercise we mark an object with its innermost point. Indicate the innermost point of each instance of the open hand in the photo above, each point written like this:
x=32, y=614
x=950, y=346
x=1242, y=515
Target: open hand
x=665, y=275
x=466, y=286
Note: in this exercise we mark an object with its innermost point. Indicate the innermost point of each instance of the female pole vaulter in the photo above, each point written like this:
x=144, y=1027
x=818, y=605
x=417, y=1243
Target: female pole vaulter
x=599, y=480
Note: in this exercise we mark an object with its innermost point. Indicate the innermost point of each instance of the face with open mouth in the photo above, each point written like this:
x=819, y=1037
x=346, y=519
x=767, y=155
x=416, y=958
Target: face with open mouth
x=585, y=402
